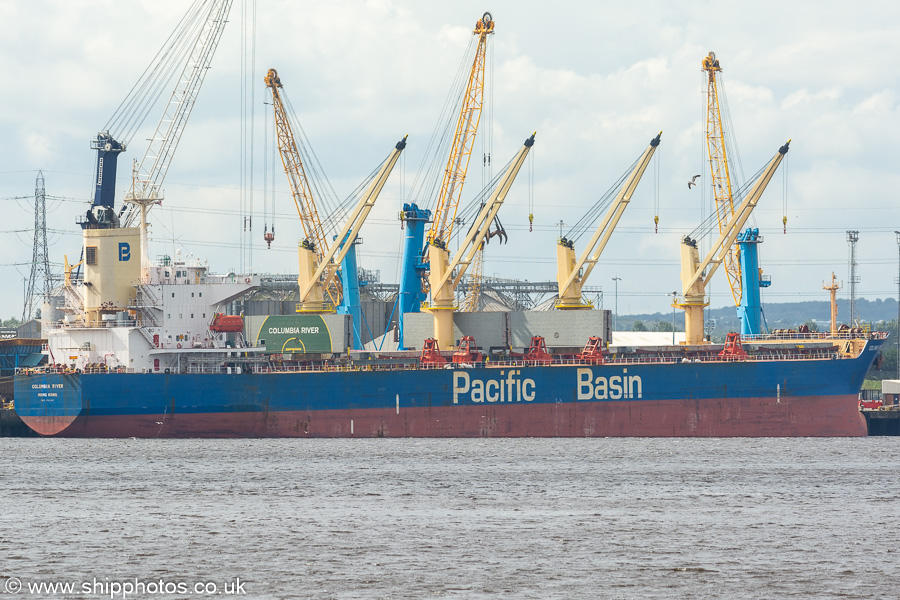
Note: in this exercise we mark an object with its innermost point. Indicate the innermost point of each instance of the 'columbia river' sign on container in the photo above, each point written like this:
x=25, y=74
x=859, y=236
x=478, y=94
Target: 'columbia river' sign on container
x=295, y=333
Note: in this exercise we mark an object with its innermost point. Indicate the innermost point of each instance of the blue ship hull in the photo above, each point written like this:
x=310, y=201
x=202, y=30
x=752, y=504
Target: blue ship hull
x=807, y=397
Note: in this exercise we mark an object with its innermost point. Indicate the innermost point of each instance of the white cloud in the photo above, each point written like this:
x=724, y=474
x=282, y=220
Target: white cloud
x=806, y=100
x=39, y=148
x=880, y=105
x=596, y=81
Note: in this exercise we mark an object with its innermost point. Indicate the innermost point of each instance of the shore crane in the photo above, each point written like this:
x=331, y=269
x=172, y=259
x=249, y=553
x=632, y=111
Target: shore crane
x=696, y=274
x=445, y=274
x=415, y=250
x=569, y=274
x=742, y=260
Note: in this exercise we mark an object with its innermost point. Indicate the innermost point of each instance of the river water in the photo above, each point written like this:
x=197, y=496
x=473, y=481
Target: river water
x=499, y=518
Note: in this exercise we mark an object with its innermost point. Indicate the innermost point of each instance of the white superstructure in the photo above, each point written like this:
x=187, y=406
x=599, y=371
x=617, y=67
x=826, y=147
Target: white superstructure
x=152, y=321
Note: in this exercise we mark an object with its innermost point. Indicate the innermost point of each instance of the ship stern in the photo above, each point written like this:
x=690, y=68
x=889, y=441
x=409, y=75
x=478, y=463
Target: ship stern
x=48, y=403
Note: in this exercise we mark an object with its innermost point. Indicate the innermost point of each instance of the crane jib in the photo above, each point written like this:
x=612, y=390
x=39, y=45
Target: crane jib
x=151, y=171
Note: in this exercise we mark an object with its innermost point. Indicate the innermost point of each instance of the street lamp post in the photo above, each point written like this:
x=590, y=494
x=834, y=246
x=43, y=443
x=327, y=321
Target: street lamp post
x=616, y=317
x=560, y=225
x=674, y=294
x=897, y=233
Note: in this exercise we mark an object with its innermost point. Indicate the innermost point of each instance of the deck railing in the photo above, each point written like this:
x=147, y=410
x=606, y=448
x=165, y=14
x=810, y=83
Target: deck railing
x=236, y=367
x=262, y=364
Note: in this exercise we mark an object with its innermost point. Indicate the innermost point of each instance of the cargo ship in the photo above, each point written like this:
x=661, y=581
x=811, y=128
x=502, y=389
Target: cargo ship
x=175, y=366
x=153, y=349
x=147, y=349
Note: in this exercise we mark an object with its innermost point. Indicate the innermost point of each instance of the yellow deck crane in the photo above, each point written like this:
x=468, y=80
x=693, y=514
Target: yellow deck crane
x=470, y=303
x=720, y=171
x=313, y=231
x=445, y=274
x=460, y=154
x=463, y=139
x=318, y=272
x=316, y=257
x=742, y=259
x=319, y=261
x=569, y=274
x=694, y=273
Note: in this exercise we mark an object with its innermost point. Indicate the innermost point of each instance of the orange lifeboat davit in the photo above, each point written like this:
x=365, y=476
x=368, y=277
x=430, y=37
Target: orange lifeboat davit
x=223, y=323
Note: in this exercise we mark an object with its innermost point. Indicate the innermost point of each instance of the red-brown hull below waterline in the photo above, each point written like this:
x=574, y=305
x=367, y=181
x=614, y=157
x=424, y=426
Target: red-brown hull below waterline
x=810, y=416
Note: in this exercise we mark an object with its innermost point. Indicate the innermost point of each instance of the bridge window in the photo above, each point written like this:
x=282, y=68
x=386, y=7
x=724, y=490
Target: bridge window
x=90, y=255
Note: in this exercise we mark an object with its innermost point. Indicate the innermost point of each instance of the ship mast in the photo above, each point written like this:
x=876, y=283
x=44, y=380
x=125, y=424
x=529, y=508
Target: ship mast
x=833, y=288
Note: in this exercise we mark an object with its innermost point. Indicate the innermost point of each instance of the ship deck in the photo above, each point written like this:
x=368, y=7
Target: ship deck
x=763, y=348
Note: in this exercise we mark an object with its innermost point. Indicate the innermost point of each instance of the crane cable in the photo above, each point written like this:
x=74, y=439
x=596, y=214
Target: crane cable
x=731, y=137
x=131, y=113
x=593, y=213
x=656, y=192
x=325, y=197
x=248, y=122
x=705, y=187
x=784, y=191
x=531, y=191
x=487, y=136
x=268, y=203
x=470, y=210
x=711, y=222
x=426, y=184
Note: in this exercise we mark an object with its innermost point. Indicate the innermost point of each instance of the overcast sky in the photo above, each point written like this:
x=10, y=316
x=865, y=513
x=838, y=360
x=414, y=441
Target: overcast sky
x=596, y=81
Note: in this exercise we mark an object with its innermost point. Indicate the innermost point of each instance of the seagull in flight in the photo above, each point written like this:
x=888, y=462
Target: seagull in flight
x=693, y=181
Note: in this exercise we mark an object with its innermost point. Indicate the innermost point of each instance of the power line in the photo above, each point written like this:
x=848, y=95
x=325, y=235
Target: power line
x=39, y=278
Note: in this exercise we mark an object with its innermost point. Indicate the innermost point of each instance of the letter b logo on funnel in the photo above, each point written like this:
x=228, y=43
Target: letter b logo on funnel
x=124, y=251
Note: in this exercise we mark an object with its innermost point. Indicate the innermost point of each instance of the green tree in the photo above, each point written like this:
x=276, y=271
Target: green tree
x=663, y=326
x=639, y=326
x=887, y=360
